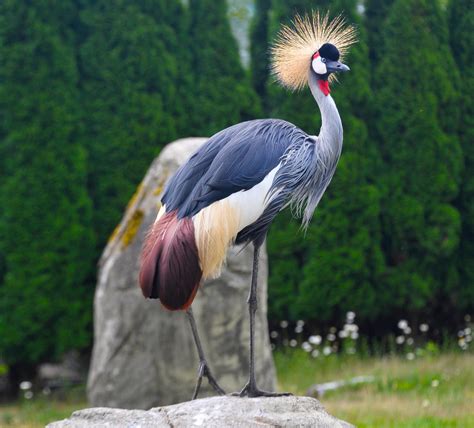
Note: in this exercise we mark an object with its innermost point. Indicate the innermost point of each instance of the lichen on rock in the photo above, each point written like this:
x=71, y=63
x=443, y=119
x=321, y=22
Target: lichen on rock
x=132, y=227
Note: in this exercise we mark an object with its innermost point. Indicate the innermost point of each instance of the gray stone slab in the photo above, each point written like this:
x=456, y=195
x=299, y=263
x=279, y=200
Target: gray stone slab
x=214, y=412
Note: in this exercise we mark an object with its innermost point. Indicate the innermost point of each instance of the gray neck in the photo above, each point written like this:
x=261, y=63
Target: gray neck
x=331, y=127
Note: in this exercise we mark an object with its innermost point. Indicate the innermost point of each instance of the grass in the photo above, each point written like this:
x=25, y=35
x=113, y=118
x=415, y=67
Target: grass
x=429, y=392
x=434, y=391
x=38, y=412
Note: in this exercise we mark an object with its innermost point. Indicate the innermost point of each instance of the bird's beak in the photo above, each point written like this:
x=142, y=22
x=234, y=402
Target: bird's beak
x=336, y=66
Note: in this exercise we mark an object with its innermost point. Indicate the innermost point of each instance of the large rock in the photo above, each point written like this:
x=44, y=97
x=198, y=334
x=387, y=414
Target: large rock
x=215, y=412
x=144, y=355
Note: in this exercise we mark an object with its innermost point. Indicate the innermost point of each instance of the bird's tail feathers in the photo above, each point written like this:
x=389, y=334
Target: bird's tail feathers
x=170, y=268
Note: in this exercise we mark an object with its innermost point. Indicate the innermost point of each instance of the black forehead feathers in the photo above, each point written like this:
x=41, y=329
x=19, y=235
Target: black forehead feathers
x=329, y=52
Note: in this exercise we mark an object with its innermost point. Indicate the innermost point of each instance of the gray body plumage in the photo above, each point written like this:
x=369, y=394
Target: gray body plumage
x=241, y=156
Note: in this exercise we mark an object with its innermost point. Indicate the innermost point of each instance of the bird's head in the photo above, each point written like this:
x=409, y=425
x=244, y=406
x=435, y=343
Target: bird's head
x=312, y=46
x=326, y=61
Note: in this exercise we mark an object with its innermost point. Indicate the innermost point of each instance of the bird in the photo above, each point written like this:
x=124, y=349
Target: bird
x=231, y=189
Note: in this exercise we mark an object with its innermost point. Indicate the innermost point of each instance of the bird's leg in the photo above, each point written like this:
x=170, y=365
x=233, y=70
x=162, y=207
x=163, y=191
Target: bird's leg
x=204, y=369
x=251, y=390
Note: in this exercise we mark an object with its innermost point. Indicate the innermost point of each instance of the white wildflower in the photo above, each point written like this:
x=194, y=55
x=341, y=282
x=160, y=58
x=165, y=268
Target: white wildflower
x=26, y=384
x=424, y=327
x=354, y=335
x=315, y=340
x=402, y=324
x=400, y=340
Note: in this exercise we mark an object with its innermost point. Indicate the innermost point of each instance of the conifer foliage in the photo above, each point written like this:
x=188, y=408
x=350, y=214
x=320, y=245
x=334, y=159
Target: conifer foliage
x=461, y=20
x=89, y=93
x=221, y=91
x=130, y=60
x=416, y=109
x=376, y=12
x=259, y=47
x=46, y=236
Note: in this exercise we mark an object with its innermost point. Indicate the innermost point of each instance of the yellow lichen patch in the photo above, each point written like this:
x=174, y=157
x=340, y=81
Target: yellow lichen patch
x=114, y=234
x=160, y=186
x=132, y=227
x=216, y=227
x=161, y=182
x=158, y=189
x=134, y=198
x=130, y=205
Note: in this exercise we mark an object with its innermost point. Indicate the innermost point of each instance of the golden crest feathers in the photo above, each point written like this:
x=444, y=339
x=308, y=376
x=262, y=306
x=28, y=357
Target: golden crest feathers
x=296, y=44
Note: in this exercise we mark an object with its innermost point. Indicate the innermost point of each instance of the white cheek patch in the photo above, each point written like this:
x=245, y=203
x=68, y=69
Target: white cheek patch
x=318, y=66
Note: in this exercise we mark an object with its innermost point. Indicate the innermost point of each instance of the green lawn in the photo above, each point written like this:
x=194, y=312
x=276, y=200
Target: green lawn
x=37, y=412
x=434, y=391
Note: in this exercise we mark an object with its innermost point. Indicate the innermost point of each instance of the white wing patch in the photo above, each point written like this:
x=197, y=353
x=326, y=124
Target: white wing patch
x=217, y=225
x=251, y=203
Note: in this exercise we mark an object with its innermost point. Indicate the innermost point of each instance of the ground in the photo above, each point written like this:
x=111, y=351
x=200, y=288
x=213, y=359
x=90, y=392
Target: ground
x=432, y=391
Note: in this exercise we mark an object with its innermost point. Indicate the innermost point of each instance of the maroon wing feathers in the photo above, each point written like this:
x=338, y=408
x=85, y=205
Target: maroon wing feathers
x=170, y=268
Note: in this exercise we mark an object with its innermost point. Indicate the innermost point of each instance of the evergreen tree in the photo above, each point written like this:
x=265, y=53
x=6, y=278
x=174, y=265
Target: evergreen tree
x=222, y=92
x=462, y=44
x=259, y=47
x=45, y=220
x=416, y=107
x=132, y=59
x=376, y=12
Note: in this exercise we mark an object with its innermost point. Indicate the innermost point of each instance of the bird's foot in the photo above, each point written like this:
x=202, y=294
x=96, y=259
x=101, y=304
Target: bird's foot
x=204, y=370
x=252, y=391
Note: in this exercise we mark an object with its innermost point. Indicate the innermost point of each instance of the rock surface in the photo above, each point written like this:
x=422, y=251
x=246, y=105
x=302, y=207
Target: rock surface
x=215, y=412
x=144, y=355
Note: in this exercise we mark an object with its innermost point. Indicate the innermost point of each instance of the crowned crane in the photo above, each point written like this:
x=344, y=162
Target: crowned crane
x=233, y=186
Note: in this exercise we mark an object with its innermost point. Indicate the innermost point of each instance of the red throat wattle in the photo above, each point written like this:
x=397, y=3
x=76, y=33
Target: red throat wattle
x=324, y=86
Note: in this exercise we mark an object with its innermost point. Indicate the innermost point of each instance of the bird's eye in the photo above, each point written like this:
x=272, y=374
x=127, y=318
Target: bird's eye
x=323, y=60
